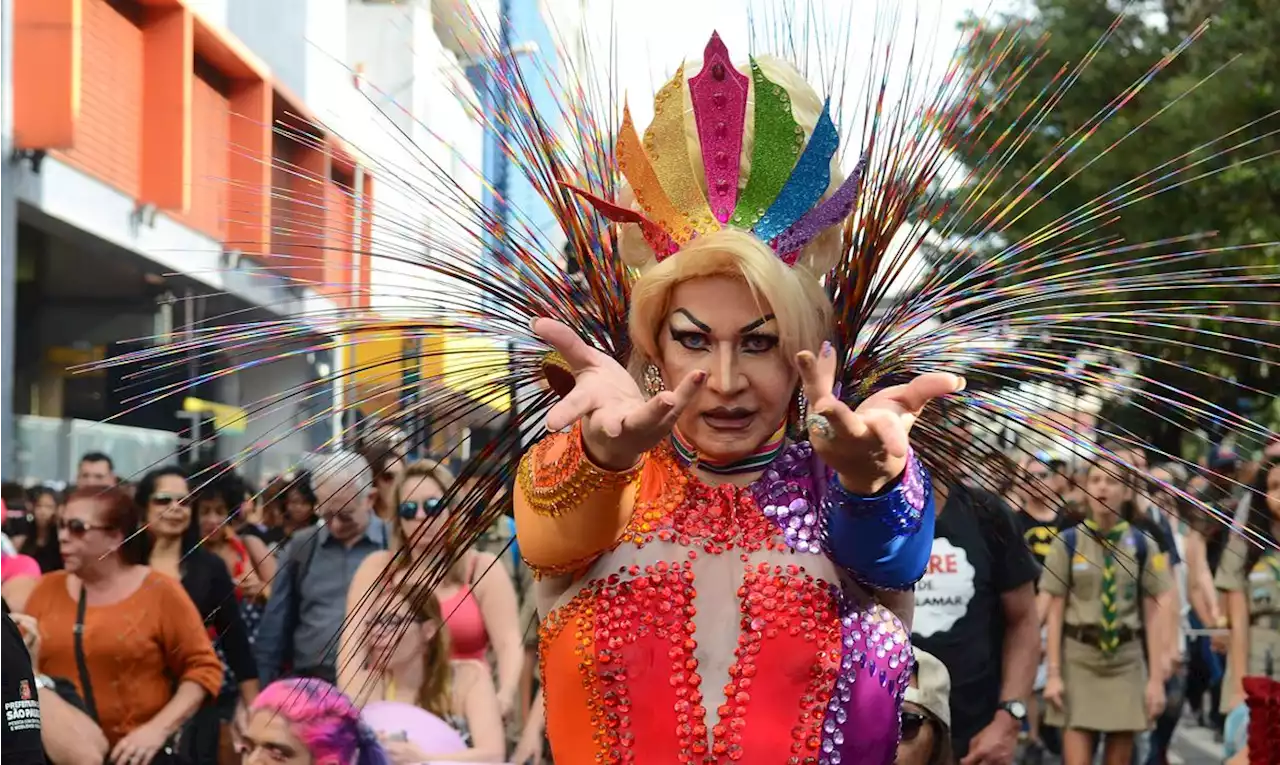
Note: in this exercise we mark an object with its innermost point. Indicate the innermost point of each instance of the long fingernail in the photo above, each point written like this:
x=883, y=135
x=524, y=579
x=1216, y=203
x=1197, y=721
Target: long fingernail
x=826, y=348
x=962, y=385
x=699, y=377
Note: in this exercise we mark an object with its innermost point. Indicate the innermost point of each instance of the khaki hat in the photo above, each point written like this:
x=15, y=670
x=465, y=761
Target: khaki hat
x=932, y=690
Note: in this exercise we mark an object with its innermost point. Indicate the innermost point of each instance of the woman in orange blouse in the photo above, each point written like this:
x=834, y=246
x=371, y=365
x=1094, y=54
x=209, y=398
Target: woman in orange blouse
x=149, y=662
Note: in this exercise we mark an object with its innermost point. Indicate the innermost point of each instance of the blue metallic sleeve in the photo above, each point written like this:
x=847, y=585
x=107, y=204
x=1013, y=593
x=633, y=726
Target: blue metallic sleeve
x=883, y=541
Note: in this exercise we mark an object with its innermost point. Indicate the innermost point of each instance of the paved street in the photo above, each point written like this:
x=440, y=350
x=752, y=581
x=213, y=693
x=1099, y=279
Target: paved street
x=1194, y=745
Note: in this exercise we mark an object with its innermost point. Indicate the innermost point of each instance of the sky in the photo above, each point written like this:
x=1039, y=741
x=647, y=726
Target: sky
x=655, y=35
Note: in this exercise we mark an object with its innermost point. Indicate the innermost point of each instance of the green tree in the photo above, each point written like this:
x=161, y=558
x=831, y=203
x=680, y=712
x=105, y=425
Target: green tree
x=1225, y=81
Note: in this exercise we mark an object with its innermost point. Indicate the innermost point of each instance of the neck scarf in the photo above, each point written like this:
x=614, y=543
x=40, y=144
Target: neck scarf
x=687, y=453
x=1110, y=540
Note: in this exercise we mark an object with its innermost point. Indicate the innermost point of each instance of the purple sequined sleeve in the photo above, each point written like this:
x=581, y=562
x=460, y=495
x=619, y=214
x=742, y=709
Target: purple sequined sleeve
x=862, y=725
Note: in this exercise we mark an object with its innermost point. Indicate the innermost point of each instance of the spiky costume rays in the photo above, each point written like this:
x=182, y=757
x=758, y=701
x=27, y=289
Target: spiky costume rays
x=910, y=295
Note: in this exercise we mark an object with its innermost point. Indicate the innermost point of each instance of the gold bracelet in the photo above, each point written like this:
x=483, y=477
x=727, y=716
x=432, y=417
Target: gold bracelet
x=556, y=487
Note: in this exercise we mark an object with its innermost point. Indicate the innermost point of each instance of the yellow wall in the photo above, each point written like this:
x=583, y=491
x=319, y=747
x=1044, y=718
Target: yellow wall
x=473, y=365
x=374, y=370
x=477, y=366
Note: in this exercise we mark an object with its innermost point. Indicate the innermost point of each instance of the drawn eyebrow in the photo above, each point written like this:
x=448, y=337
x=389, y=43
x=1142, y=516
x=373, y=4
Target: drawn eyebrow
x=693, y=319
x=757, y=324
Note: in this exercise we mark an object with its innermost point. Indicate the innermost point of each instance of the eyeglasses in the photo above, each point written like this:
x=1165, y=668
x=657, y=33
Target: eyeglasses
x=167, y=500
x=431, y=507
x=912, y=722
x=78, y=528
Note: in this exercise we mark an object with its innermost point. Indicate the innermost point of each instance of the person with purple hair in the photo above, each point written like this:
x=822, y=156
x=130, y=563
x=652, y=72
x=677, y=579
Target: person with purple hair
x=307, y=721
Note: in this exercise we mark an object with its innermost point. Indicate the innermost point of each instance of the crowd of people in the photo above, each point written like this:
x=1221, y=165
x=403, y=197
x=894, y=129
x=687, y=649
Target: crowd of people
x=1122, y=607
x=159, y=616
x=1075, y=611
x=159, y=609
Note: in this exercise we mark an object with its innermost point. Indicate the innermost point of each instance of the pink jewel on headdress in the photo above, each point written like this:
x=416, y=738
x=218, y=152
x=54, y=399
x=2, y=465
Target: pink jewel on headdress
x=719, y=94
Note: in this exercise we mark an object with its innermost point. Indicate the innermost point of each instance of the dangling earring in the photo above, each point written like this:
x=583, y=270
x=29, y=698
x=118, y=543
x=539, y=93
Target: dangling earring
x=797, y=427
x=653, y=384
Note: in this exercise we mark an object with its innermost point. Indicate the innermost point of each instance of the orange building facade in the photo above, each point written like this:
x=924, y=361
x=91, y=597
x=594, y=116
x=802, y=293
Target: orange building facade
x=164, y=177
x=174, y=112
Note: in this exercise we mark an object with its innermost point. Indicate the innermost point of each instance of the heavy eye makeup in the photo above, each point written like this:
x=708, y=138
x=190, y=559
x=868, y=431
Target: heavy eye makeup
x=694, y=335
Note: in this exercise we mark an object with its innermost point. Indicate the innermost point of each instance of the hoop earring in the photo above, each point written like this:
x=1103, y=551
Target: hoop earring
x=653, y=384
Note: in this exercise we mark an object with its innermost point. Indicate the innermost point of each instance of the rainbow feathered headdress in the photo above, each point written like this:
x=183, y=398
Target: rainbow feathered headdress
x=781, y=202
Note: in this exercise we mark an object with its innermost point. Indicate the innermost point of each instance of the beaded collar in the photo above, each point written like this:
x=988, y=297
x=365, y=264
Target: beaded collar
x=758, y=460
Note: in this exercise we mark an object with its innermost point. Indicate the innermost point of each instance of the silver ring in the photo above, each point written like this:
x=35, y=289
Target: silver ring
x=819, y=425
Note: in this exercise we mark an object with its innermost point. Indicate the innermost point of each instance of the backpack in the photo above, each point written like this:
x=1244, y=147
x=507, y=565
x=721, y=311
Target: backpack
x=1071, y=537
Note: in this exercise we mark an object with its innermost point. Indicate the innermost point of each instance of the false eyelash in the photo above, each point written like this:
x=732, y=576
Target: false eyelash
x=683, y=335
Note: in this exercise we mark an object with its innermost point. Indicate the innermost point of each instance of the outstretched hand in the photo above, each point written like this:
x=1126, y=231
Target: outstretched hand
x=618, y=424
x=867, y=448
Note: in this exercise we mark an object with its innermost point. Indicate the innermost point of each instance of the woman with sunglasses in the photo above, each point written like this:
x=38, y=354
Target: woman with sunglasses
x=127, y=636
x=410, y=661
x=926, y=714
x=480, y=610
x=172, y=544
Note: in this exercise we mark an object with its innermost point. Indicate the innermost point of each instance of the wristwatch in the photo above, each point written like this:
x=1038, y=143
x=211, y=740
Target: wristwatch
x=1016, y=709
x=45, y=683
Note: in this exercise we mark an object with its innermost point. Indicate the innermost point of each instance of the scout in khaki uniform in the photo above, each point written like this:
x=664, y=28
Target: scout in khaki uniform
x=1250, y=576
x=1098, y=605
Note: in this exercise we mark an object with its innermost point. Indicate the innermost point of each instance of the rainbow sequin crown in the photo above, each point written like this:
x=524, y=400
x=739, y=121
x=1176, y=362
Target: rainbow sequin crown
x=781, y=202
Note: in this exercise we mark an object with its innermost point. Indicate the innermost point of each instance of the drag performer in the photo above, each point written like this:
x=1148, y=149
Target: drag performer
x=709, y=579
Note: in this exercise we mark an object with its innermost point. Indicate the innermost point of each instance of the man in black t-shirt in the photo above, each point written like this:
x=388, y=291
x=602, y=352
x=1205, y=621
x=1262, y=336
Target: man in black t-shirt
x=975, y=610
x=21, y=739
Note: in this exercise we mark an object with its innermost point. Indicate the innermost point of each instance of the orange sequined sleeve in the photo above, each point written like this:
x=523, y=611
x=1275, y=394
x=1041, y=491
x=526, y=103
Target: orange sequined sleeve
x=568, y=510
